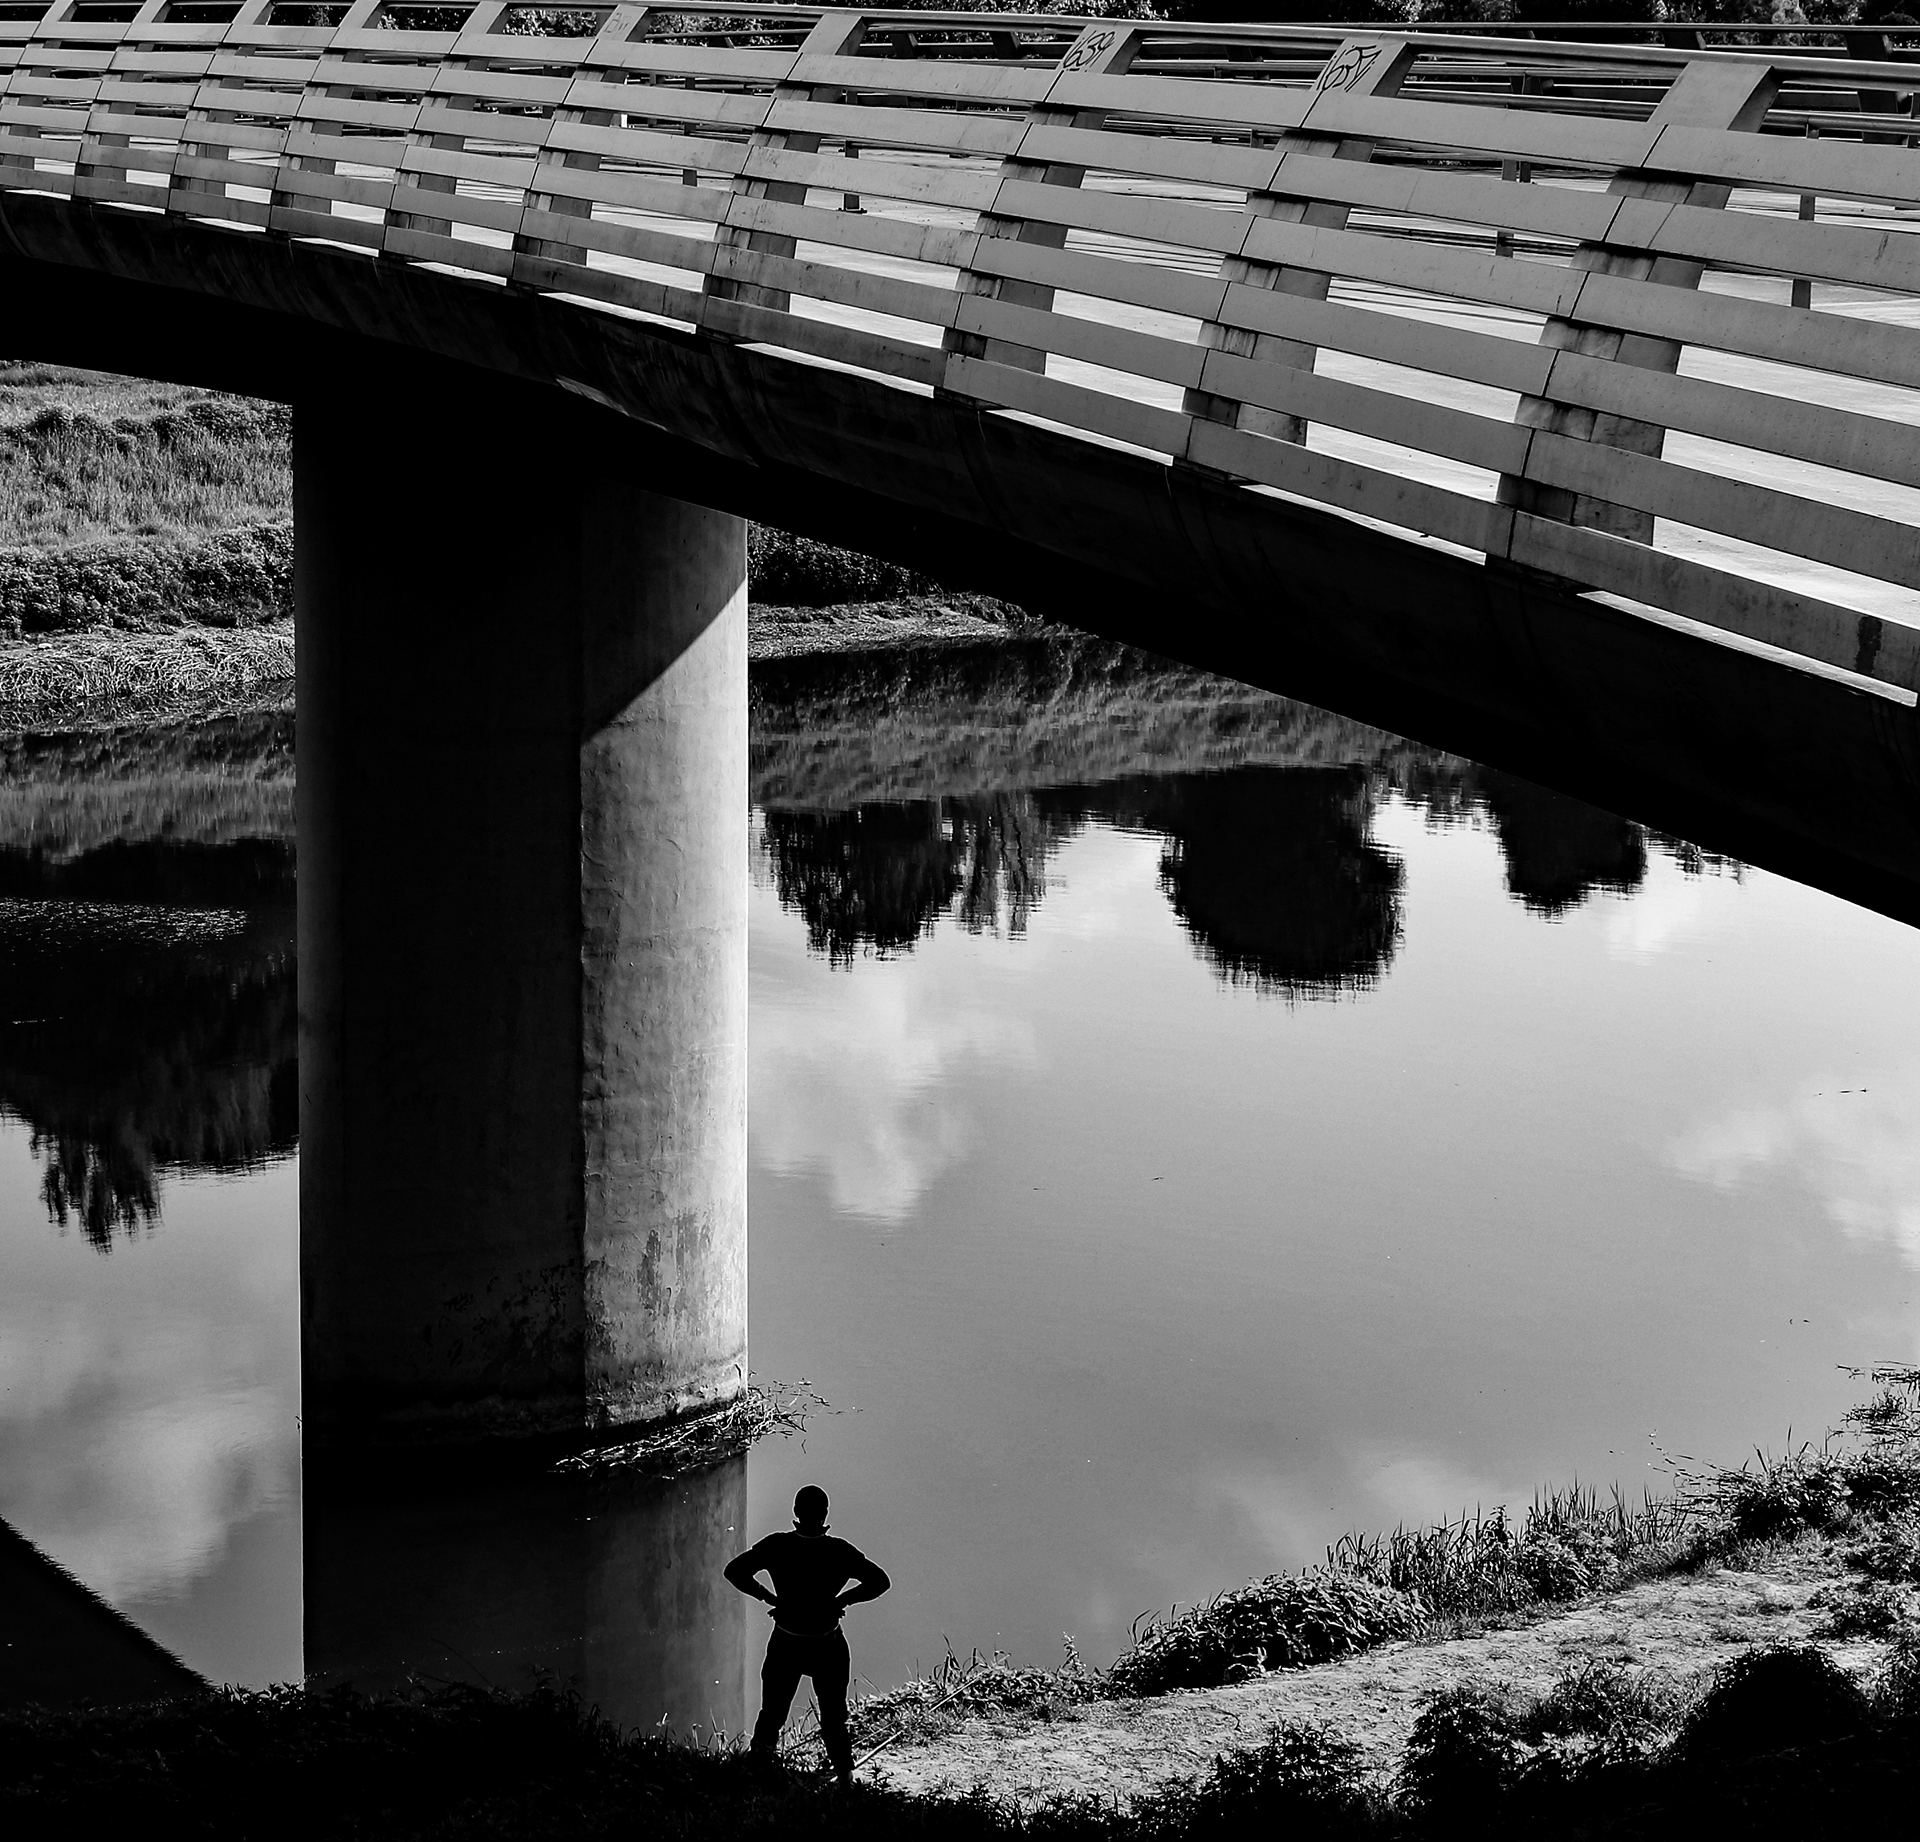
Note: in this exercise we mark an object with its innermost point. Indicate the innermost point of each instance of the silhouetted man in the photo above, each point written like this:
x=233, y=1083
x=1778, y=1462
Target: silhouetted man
x=810, y=1570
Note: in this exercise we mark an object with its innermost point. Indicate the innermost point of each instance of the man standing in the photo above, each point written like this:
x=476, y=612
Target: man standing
x=810, y=1570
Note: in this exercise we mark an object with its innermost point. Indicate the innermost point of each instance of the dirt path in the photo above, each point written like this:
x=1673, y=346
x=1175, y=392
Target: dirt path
x=1684, y=1627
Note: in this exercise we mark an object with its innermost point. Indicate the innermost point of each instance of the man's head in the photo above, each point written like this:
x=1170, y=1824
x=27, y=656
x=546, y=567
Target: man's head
x=810, y=1510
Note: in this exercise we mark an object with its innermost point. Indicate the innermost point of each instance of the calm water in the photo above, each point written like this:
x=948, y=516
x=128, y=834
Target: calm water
x=1183, y=1127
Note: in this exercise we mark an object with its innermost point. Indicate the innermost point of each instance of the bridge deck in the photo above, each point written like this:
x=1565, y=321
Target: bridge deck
x=1635, y=322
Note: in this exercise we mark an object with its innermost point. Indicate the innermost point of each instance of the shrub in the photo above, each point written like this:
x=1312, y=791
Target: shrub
x=1605, y=1700
x=1464, y=1752
x=1279, y=1623
x=1896, y=1691
x=230, y=580
x=1302, y=1781
x=1773, y=1699
x=1884, y=1479
x=1804, y=1490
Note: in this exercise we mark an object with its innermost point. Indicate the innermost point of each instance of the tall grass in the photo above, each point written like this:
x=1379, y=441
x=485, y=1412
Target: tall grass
x=71, y=476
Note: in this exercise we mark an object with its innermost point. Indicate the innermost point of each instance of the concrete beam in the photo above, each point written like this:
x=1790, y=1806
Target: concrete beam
x=523, y=872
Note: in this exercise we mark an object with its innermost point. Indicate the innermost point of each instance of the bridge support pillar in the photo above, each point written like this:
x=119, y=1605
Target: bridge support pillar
x=523, y=872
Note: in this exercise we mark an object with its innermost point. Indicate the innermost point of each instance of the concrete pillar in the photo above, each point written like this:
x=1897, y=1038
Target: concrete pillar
x=523, y=872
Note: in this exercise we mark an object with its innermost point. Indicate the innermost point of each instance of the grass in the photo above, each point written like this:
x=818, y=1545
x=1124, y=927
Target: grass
x=148, y=676
x=129, y=504
x=75, y=474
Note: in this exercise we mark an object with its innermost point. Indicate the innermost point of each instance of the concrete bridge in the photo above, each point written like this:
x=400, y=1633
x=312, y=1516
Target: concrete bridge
x=1555, y=403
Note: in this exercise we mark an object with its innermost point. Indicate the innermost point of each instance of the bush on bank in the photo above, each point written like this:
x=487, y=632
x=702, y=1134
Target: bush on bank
x=234, y=579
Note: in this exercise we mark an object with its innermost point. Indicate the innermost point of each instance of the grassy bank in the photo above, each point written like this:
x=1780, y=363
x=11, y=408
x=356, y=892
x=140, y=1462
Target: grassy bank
x=129, y=506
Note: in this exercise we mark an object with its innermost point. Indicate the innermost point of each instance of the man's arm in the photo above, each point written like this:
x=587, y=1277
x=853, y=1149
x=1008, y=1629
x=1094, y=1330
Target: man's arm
x=869, y=1582
x=739, y=1575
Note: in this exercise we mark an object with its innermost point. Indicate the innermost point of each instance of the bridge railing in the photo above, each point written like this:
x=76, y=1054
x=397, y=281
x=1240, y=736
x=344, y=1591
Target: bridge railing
x=1643, y=319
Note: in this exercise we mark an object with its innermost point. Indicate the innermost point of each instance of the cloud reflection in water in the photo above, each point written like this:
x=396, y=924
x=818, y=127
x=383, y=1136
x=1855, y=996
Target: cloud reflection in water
x=1849, y=1142
x=863, y=1093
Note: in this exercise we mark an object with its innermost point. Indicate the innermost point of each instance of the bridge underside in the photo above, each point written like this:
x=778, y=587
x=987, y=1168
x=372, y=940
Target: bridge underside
x=1785, y=767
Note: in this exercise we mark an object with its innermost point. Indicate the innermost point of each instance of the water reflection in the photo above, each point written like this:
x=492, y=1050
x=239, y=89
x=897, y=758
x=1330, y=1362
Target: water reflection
x=1559, y=851
x=136, y=1038
x=879, y=875
x=615, y=1588
x=147, y=974
x=1271, y=868
x=1273, y=873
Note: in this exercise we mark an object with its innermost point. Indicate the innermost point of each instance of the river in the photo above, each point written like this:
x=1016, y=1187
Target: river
x=1184, y=1126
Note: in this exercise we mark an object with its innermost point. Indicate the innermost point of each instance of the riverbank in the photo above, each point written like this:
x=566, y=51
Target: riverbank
x=109, y=677
x=1627, y=1618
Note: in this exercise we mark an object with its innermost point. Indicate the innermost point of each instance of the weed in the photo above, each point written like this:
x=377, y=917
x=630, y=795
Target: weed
x=1301, y=1781
x=1800, y=1491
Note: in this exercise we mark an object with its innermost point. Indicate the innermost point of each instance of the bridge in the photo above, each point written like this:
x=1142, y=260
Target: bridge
x=1553, y=402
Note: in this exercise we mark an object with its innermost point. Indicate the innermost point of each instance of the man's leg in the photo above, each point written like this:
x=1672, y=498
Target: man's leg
x=832, y=1671
x=779, y=1679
